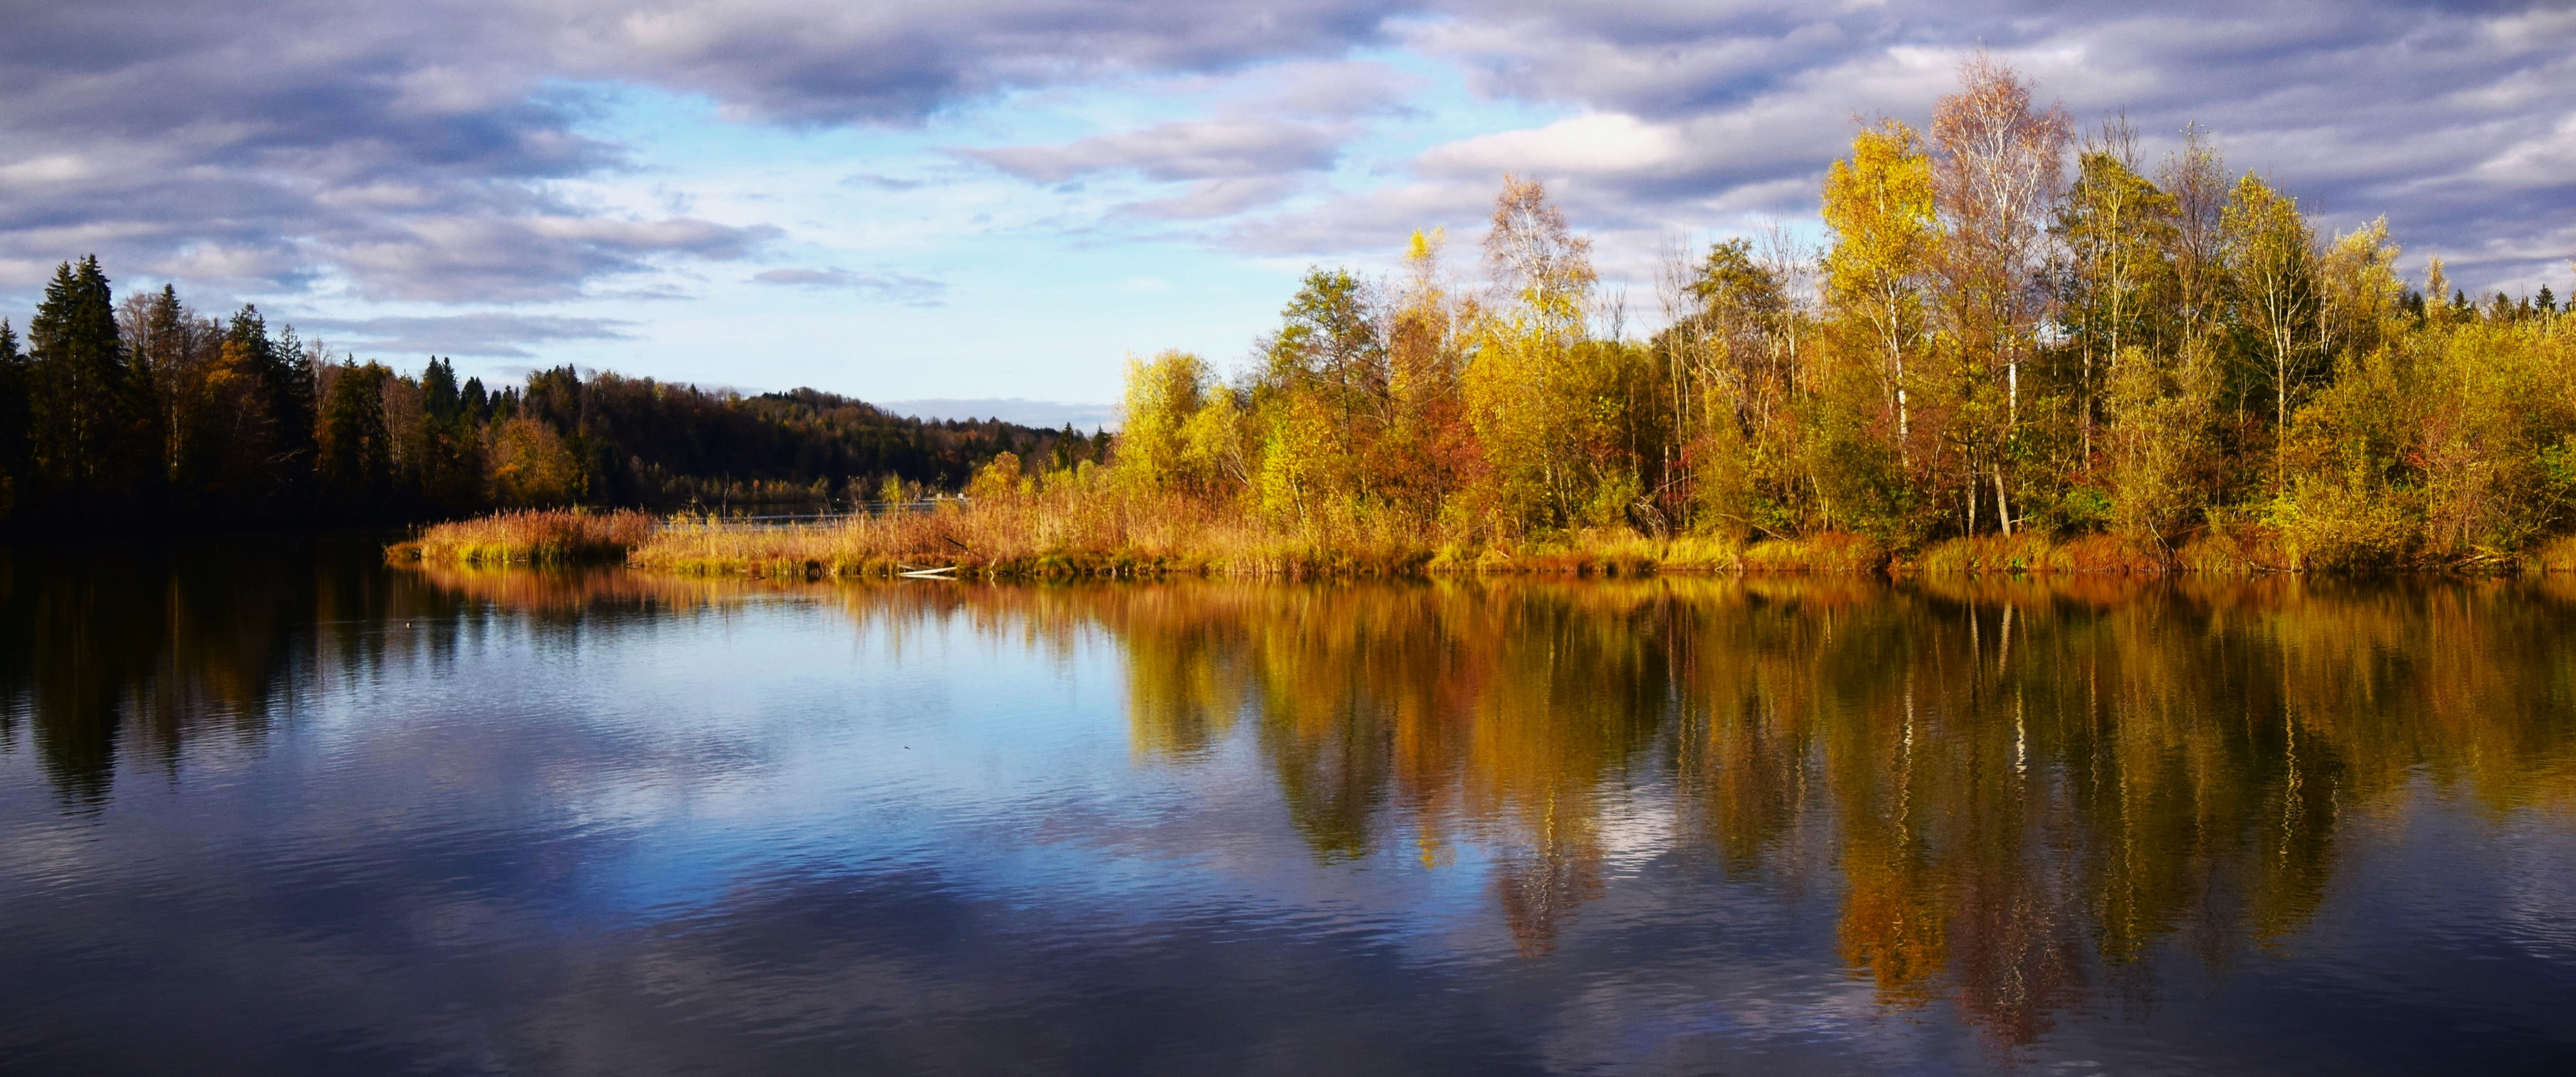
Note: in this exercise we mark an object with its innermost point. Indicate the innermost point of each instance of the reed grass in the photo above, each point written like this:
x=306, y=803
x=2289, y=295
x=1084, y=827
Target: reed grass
x=1030, y=535
x=1098, y=530
x=1029, y=538
x=2028, y=553
x=530, y=537
x=2556, y=556
x=1824, y=552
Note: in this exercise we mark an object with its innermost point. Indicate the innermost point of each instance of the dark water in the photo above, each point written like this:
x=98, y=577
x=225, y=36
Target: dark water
x=283, y=810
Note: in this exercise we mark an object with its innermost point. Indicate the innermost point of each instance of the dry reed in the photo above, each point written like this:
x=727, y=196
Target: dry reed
x=1031, y=534
x=1088, y=528
x=2029, y=553
x=1123, y=534
x=530, y=536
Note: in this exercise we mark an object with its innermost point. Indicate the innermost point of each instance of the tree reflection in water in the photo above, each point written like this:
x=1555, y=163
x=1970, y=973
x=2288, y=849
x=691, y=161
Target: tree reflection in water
x=132, y=652
x=2019, y=794
x=2020, y=787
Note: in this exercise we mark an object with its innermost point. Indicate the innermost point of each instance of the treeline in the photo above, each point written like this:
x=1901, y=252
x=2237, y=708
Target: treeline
x=1988, y=344
x=146, y=409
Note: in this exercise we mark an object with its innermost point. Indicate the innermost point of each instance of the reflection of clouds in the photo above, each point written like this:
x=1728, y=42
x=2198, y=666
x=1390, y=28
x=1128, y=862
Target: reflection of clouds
x=1989, y=861
x=2540, y=887
x=645, y=823
x=1634, y=832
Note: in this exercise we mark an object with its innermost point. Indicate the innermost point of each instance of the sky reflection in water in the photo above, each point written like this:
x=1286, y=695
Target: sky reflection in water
x=293, y=811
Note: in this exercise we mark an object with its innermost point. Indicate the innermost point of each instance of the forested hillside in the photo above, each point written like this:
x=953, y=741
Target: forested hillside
x=144, y=409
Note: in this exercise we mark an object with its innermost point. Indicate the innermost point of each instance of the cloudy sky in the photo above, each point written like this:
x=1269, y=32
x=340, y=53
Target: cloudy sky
x=970, y=199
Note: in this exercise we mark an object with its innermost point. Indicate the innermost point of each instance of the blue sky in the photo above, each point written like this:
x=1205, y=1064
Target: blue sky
x=977, y=199
x=929, y=273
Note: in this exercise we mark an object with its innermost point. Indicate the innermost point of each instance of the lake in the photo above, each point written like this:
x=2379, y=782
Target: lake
x=272, y=806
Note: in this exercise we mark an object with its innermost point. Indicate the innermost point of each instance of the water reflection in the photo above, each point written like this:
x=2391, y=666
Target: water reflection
x=2020, y=787
x=105, y=656
x=2017, y=799
x=135, y=650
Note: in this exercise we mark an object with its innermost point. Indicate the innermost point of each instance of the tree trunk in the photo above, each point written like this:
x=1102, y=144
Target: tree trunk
x=2003, y=504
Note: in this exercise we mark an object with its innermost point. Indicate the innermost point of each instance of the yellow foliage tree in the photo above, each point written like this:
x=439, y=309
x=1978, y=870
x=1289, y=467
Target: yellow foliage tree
x=531, y=465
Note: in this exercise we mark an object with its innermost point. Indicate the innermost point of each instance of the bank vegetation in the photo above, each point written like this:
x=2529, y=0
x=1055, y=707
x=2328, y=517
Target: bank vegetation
x=2021, y=348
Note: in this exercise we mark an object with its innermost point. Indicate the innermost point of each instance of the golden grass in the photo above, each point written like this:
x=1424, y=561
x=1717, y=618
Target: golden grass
x=2028, y=553
x=2558, y=555
x=1824, y=552
x=1031, y=535
x=530, y=536
x=1095, y=529
x=567, y=589
x=1039, y=536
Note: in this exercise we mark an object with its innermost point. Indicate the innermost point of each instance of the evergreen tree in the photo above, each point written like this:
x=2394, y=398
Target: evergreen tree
x=81, y=387
x=14, y=382
x=448, y=472
x=273, y=421
x=439, y=399
x=166, y=347
x=356, y=451
x=291, y=377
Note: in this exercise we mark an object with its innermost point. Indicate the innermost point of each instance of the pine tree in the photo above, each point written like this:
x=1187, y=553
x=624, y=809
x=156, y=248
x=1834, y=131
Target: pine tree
x=165, y=347
x=356, y=463
x=82, y=392
x=439, y=398
x=14, y=382
x=289, y=378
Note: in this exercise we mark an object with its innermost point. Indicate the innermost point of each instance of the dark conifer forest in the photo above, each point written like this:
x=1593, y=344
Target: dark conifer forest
x=116, y=411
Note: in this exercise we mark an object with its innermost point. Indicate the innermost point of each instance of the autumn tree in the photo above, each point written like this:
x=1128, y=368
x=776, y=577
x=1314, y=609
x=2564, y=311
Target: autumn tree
x=1425, y=452
x=1878, y=205
x=2271, y=258
x=1540, y=395
x=1997, y=164
x=2358, y=290
x=2194, y=176
x=1736, y=389
x=1323, y=402
x=1329, y=347
x=1184, y=429
x=2116, y=229
x=176, y=353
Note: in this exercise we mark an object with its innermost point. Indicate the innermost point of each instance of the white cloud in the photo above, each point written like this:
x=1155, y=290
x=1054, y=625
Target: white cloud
x=901, y=288
x=1591, y=143
x=1225, y=147
x=423, y=150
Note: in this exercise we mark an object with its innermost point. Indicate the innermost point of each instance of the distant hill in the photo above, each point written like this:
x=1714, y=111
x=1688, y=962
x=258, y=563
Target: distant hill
x=1039, y=413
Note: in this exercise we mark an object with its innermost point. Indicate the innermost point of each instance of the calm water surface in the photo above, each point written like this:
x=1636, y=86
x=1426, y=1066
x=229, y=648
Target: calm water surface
x=283, y=810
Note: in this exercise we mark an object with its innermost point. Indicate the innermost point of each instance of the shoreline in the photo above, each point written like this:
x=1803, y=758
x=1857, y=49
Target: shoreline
x=996, y=544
